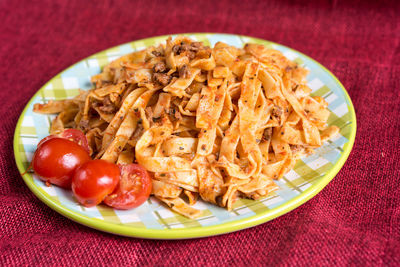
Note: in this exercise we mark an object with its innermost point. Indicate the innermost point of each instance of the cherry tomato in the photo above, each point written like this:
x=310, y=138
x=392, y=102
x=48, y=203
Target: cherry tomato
x=73, y=135
x=45, y=139
x=77, y=137
x=56, y=159
x=94, y=180
x=134, y=188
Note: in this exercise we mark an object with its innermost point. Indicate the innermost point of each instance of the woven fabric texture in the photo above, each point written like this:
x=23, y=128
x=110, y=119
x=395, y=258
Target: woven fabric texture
x=355, y=220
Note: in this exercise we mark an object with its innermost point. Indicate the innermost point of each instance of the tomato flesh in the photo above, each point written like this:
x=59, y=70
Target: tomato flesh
x=56, y=159
x=94, y=180
x=134, y=188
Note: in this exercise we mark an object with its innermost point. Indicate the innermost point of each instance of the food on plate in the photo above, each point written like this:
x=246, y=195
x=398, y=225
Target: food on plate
x=219, y=123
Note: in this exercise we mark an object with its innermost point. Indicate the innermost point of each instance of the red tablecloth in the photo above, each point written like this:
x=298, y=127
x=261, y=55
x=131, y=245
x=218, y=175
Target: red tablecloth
x=354, y=220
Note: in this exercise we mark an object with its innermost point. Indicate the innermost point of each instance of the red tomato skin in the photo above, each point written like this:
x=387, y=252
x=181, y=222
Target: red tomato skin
x=76, y=136
x=73, y=135
x=56, y=159
x=46, y=139
x=94, y=180
x=130, y=192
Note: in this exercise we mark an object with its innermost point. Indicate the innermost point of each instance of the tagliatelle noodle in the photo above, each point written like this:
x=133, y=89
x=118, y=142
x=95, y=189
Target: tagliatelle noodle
x=216, y=123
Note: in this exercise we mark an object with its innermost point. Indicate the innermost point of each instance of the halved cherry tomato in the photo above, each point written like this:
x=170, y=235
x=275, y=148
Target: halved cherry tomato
x=73, y=135
x=56, y=159
x=134, y=188
x=77, y=136
x=94, y=180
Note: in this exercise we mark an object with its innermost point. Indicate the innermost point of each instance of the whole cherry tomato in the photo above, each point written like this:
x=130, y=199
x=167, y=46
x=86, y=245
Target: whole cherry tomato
x=94, y=180
x=134, y=188
x=56, y=159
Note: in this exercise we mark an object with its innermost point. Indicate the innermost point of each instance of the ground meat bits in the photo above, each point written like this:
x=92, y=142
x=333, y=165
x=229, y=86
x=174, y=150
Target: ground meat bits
x=159, y=76
x=107, y=109
x=179, y=49
x=84, y=125
x=267, y=134
x=160, y=67
x=162, y=78
x=196, y=45
x=184, y=72
x=277, y=111
x=175, y=114
x=156, y=53
x=190, y=50
x=190, y=54
x=105, y=106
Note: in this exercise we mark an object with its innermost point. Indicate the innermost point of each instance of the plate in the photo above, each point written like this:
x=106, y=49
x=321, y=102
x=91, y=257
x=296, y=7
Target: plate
x=154, y=220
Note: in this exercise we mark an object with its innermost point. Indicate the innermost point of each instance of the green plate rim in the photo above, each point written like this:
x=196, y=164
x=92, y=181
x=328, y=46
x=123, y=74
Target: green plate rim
x=199, y=231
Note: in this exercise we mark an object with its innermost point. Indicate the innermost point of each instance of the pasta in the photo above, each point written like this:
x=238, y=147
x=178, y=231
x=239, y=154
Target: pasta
x=216, y=123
